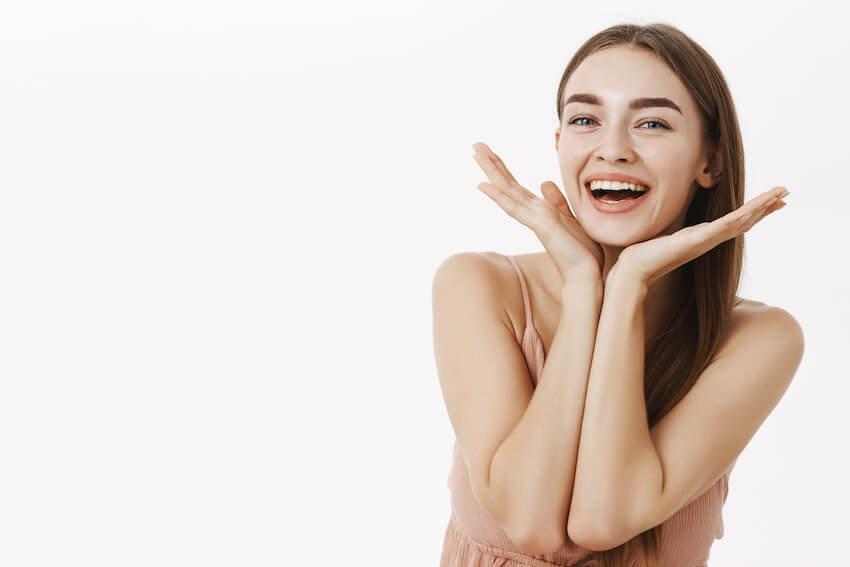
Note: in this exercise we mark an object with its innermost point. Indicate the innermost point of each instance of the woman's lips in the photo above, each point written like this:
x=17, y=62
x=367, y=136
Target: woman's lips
x=621, y=206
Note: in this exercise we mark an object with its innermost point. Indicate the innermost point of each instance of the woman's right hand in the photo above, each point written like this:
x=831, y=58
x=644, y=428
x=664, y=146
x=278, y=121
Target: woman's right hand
x=569, y=246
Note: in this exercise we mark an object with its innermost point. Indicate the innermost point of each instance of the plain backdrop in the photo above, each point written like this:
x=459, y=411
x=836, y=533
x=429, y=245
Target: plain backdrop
x=218, y=230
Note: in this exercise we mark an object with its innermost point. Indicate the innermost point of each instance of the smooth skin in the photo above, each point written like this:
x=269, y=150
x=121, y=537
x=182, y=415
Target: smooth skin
x=522, y=444
x=564, y=239
x=628, y=478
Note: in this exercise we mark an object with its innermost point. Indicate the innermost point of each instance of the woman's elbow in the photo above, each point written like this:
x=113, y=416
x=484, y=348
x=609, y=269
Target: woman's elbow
x=538, y=543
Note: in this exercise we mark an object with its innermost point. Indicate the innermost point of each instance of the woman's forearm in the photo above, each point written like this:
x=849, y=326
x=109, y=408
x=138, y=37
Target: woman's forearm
x=533, y=469
x=616, y=452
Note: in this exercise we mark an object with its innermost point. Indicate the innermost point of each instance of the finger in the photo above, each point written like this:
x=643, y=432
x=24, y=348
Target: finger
x=512, y=190
x=502, y=194
x=767, y=205
x=493, y=173
x=498, y=161
x=749, y=221
x=776, y=207
x=772, y=208
x=550, y=198
x=756, y=206
x=520, y=210
x=552, y=194
x=766, y=199
x=485, y=149
x=497, y=167
x=704, y=236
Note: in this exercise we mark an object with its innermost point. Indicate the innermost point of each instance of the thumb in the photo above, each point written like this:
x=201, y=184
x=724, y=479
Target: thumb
x=552, y=194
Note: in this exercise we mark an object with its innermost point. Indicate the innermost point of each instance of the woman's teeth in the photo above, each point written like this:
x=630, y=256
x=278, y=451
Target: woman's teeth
x=609, y=201
x=612, y=192
x=616, y=185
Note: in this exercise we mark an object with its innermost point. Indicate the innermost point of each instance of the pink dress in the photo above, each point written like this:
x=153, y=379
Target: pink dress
x=474, y=539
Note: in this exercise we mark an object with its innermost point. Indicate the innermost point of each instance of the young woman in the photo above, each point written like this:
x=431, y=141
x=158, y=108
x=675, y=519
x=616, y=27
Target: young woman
x=601, y=390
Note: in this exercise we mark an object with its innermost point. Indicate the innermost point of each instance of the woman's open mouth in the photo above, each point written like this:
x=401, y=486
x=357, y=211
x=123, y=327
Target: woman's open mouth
x=616, y=201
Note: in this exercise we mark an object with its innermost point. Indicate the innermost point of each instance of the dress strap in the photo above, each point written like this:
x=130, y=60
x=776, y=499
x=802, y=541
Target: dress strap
x=528, y=320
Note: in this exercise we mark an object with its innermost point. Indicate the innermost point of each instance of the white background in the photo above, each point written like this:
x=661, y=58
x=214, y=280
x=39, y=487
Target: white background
x=218, y=229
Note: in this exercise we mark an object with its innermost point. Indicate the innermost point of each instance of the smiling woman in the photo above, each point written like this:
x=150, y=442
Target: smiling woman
x=606, y=438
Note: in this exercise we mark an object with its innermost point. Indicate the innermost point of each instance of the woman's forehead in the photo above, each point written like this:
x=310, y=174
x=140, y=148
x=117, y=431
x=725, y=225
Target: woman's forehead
x=619, y=74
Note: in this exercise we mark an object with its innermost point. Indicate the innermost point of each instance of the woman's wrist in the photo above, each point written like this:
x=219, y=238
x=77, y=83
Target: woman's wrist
x=583, y=281
x=625, y=281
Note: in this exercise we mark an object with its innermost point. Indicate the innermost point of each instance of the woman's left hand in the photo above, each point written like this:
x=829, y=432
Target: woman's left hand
x=650, y=260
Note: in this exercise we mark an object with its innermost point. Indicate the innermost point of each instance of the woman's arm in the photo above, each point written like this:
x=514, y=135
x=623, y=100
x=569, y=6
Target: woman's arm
x=629, y=477
x=536, y=463
x=615, y=441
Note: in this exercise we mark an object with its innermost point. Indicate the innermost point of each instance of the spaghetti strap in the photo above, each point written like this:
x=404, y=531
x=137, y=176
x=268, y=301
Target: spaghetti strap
x=473, y=538
x=529, y=322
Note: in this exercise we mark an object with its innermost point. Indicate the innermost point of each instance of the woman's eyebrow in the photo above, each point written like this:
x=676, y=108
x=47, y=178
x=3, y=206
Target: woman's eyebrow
x=635, y=104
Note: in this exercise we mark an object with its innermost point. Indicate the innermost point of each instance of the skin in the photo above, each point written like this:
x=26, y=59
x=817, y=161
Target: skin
x=629, y=478
x=674, y=162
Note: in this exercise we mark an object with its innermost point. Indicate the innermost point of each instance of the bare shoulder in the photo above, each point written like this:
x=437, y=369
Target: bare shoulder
x=486, y=268
x=490, y=274
x=761, y=351
x=750, y=311
x=478, y=273
x=511, y=288
x=754, y=321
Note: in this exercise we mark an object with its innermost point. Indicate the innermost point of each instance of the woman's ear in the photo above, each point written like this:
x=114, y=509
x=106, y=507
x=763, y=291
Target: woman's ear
x=710, y=175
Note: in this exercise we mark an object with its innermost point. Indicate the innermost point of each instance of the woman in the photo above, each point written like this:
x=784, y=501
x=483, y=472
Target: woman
x=601, y=390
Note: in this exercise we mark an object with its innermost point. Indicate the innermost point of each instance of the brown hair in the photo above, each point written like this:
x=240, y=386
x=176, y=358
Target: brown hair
x=675, y=359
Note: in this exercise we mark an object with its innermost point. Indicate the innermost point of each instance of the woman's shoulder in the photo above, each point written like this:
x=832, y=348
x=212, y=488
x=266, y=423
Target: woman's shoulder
x=497, y=267
x=503, y=277
x=486, y=266
x=752, y=320
x=494, y=275
x=748, y=309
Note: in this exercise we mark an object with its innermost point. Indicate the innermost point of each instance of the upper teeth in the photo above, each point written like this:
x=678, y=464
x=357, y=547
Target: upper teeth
x=620, y=185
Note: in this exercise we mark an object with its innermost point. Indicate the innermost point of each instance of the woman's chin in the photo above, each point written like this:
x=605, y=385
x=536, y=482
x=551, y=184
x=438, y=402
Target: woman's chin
x=616, y=230
x=617, y=238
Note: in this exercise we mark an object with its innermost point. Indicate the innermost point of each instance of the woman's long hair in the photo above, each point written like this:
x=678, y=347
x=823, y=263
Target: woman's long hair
x=676, y=358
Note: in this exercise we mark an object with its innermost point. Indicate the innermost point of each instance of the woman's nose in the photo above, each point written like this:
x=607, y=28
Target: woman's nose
x=615, y=145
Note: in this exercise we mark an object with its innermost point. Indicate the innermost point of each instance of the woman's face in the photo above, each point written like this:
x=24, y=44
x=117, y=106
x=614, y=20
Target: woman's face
x=667, y=154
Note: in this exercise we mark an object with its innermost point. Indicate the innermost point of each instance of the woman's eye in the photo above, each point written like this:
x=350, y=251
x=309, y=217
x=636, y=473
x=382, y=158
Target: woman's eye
x=661, y=124
x=655, y=122
x=581, y=118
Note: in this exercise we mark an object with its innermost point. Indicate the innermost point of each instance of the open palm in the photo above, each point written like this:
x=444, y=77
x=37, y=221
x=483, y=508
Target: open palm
x=652, y=259
x=570, y=248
